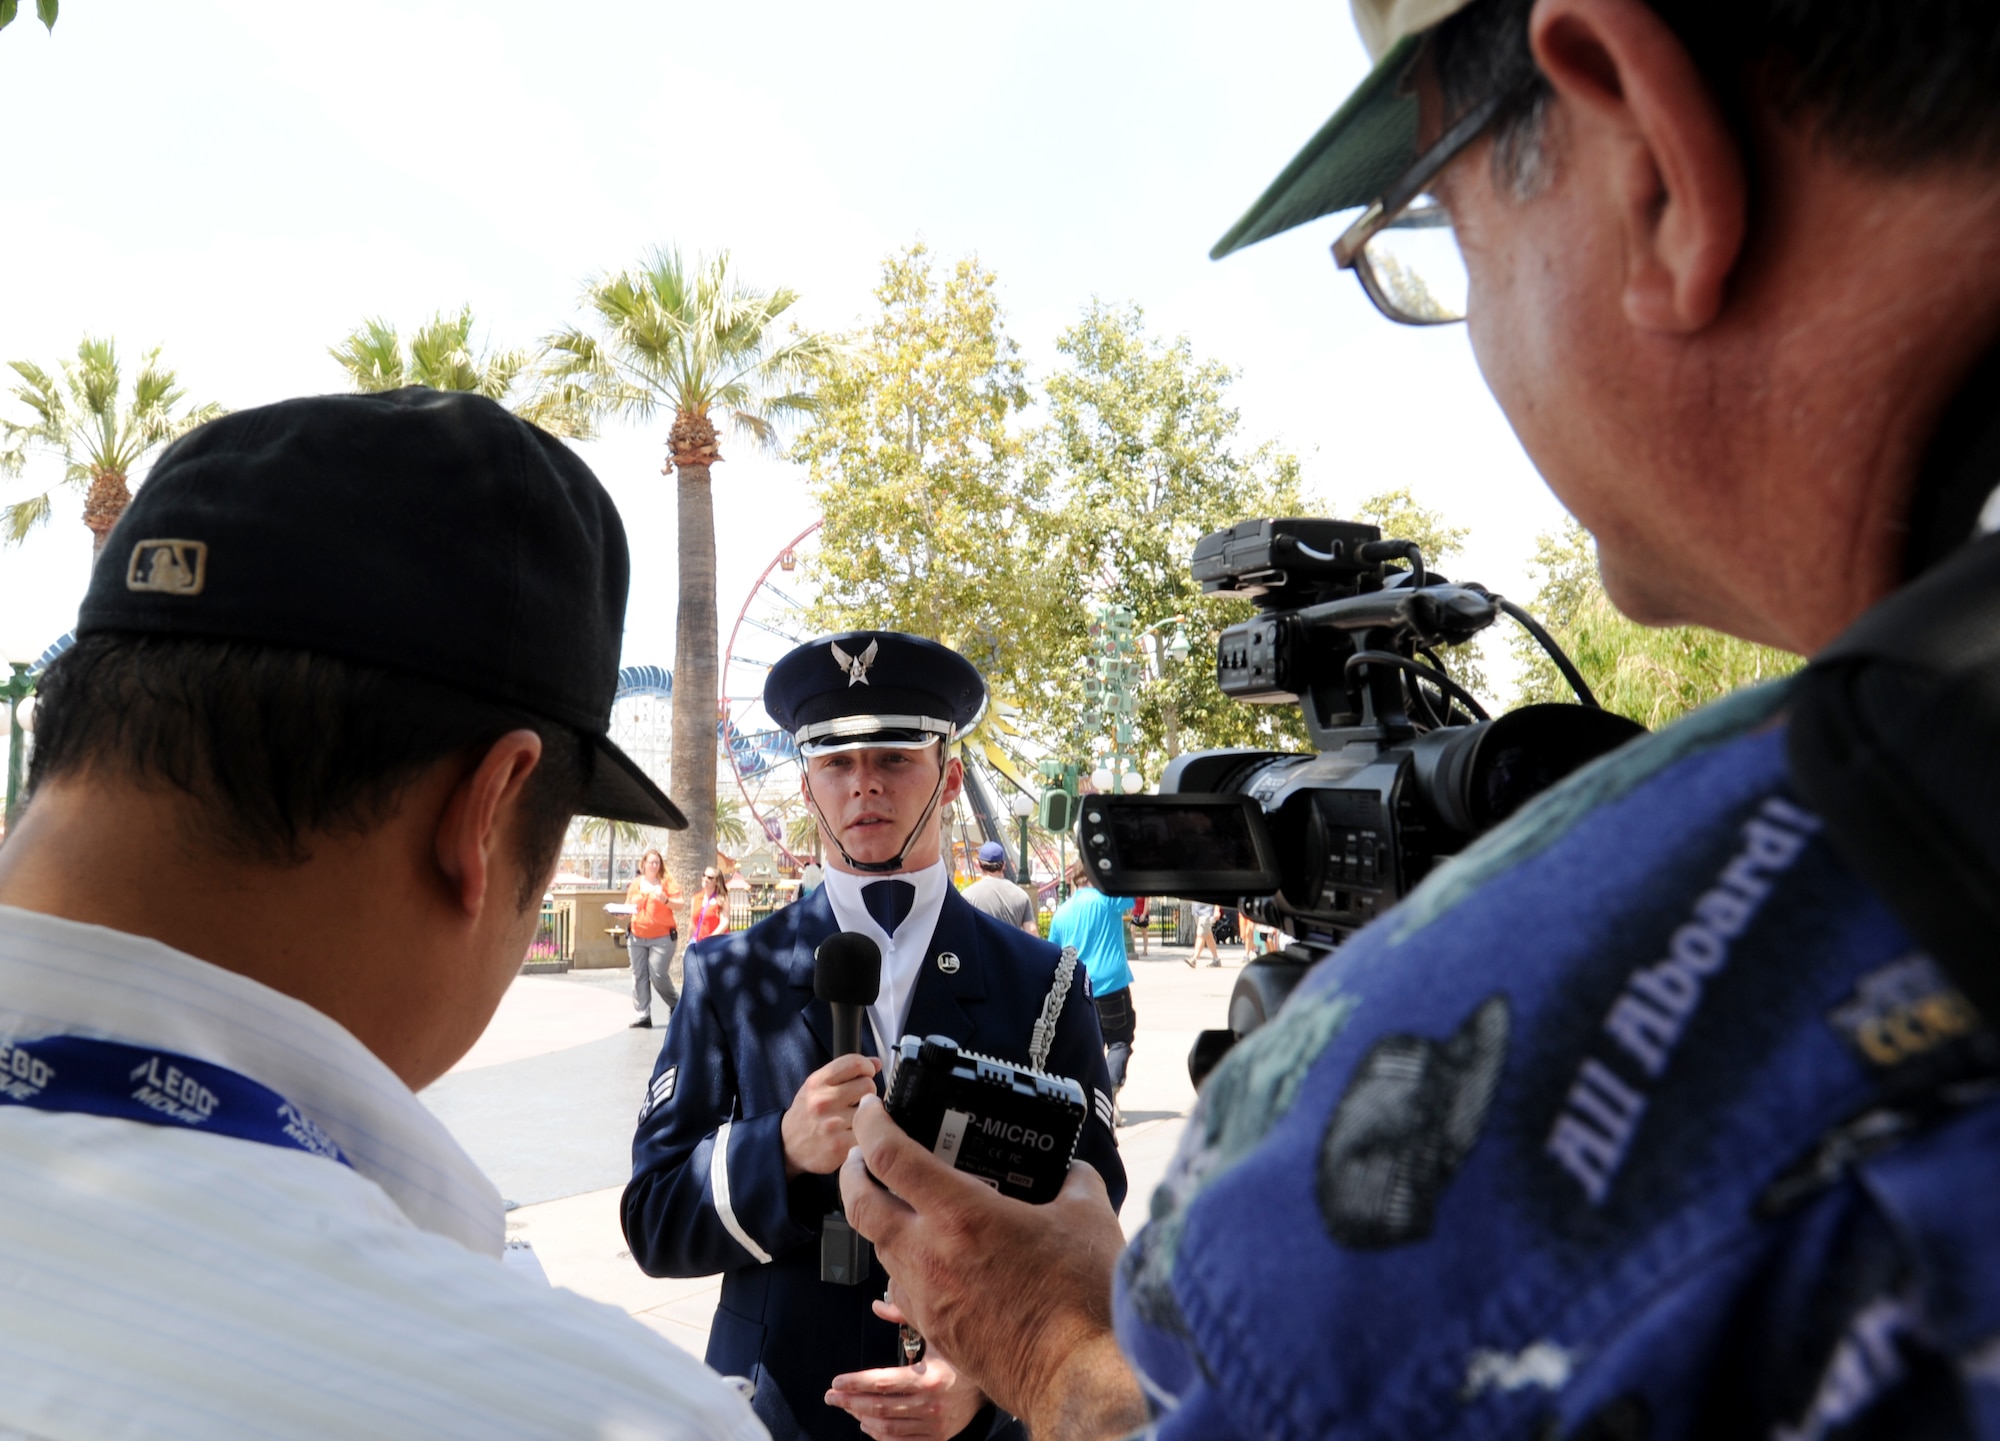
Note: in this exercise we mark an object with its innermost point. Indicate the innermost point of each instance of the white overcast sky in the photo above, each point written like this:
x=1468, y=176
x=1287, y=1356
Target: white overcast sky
x=242, y=181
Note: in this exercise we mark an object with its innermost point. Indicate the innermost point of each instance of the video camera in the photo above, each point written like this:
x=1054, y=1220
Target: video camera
x=1408, y=768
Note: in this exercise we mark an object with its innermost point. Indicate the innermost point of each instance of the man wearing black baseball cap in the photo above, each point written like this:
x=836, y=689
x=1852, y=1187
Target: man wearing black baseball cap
x=342, y=676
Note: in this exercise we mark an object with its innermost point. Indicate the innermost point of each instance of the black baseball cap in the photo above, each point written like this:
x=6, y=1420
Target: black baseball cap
x=423, y=531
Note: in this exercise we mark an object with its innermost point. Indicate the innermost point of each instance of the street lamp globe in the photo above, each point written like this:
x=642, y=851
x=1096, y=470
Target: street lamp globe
x=1177, y=648
x=1101, y=778
x=1023, y=807
x=17, y=644
x=1131, y=783
x=25, y=714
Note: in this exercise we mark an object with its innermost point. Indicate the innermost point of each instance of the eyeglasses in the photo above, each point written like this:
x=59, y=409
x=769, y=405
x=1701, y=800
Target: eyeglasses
x=1402, y=248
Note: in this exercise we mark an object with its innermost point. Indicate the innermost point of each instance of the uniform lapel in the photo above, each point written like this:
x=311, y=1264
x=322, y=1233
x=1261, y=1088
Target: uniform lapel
x=945, y=1002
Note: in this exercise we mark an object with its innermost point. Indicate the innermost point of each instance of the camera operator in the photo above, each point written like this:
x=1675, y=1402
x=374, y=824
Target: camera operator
x=1664, y=1111
x=750, y=1111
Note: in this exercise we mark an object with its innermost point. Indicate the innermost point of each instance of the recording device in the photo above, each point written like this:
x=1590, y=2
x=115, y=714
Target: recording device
x=1407, y=767
x=847, y=974
x=1014, y=1128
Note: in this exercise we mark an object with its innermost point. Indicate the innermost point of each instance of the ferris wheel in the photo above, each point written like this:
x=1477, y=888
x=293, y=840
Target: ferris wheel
x=1000, y=764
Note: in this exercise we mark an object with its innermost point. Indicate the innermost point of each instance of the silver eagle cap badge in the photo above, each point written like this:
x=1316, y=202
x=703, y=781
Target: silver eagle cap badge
x=856, y=666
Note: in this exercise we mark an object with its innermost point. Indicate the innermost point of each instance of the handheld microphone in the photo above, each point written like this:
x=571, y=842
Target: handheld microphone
x=847, y=973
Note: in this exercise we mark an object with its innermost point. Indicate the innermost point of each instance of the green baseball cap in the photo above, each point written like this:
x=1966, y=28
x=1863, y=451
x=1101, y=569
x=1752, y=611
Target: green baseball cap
x=1371, y=139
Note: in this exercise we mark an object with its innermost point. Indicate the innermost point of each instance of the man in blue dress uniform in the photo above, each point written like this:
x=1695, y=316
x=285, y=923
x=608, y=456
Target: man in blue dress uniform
x=749, y=1114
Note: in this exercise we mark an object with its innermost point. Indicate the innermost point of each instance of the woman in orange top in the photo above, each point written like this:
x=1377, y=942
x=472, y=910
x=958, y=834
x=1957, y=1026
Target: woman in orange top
x=651, y=944
x=711, y=908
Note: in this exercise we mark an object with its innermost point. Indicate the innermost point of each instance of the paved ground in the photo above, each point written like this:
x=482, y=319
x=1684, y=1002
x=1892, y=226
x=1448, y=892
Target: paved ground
x=546, y=1102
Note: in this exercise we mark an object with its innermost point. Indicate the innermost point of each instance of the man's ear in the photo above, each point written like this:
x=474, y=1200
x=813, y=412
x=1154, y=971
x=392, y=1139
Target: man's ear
x=954, y=782
x=1641, y=118
x=480, y=818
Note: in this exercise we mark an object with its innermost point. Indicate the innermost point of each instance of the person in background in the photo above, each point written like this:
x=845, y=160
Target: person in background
x=1204, y=935
x=711, y=907
x=654, y=936
x=999, y=897
x=1094, y=925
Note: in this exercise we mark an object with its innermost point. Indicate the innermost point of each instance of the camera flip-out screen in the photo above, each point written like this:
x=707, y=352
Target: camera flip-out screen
x=1186, y=845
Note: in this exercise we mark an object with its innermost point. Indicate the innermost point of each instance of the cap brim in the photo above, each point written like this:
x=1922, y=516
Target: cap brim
x=1356, y=155
x=620, y=791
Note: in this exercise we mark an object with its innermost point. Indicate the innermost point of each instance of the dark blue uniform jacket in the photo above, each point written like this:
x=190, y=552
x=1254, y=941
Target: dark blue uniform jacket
x=747, y=1033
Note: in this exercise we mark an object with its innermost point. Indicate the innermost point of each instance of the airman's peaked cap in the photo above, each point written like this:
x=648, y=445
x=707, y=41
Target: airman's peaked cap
x=873, y=688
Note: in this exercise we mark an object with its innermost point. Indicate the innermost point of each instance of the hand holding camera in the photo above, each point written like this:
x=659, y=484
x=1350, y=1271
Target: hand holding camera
x=953, y=1244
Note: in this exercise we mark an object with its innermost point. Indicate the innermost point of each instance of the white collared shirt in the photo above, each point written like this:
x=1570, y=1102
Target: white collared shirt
x=903, y=954
x=162, y=1282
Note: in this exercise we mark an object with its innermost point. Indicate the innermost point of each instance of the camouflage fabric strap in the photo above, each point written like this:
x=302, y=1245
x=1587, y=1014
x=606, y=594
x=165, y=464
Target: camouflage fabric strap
x=1045, y=1028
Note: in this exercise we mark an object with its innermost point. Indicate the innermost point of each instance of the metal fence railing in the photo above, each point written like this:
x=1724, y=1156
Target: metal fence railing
x=553, y=944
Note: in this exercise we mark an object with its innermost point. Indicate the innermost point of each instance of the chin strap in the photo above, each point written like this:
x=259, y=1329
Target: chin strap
x=895, y=863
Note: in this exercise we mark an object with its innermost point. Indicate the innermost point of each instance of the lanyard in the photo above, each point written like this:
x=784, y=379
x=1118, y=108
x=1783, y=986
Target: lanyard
x=157, y=1088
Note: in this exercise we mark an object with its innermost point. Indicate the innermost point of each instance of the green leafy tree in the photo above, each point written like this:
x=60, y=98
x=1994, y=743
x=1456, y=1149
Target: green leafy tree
x=1144, y=454
x=45, y=11
x=100, y=432
x=1652, y=675
x=691, y=342
x=442, y=354
x=931, y=524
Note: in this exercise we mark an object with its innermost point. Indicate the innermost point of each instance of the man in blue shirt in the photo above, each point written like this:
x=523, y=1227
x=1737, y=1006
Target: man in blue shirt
x=1669, y=1109
x=1093, y=924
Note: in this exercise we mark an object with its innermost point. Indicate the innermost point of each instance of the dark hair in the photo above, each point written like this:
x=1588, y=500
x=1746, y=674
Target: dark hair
x=1890, y=83
x=273, y=746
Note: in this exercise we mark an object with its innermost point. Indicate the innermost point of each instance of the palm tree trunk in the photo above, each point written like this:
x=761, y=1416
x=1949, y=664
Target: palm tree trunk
x=102, y=505
x=696, y=677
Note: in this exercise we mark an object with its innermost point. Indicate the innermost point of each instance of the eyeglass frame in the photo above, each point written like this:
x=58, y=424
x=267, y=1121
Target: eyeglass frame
x=1350, y=250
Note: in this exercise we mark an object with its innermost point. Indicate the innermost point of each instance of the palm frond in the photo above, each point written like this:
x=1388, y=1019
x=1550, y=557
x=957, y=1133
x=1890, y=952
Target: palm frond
x=372, y=356
x=18, y=519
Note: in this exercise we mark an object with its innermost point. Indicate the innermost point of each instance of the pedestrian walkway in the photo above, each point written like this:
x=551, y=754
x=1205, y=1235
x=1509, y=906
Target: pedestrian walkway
x=547, y=1099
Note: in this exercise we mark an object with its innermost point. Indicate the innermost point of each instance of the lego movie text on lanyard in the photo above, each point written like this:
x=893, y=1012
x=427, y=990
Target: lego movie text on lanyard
x=158, y=1088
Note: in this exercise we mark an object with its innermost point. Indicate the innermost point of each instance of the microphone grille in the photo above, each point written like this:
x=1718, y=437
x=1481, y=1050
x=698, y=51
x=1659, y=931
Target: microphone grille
x=847, y=969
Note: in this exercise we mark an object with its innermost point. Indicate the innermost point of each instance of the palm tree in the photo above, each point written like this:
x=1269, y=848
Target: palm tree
x=802, y=836
x=99, y=438
x=695, y=343
x=440, y=354
x=729, y=827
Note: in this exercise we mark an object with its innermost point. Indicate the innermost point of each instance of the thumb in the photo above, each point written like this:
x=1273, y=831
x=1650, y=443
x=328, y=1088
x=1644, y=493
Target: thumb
x=891, y=1313
x=909, y=1171
x=1084, y=1184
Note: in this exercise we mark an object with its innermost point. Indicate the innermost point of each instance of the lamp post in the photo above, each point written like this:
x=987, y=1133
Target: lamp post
x=1171, y=650
x=19, y=686
x=1024, y=806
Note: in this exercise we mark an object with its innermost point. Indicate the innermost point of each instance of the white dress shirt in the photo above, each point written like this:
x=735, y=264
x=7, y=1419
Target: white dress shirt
x=903, y=954
x=163, y=1282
